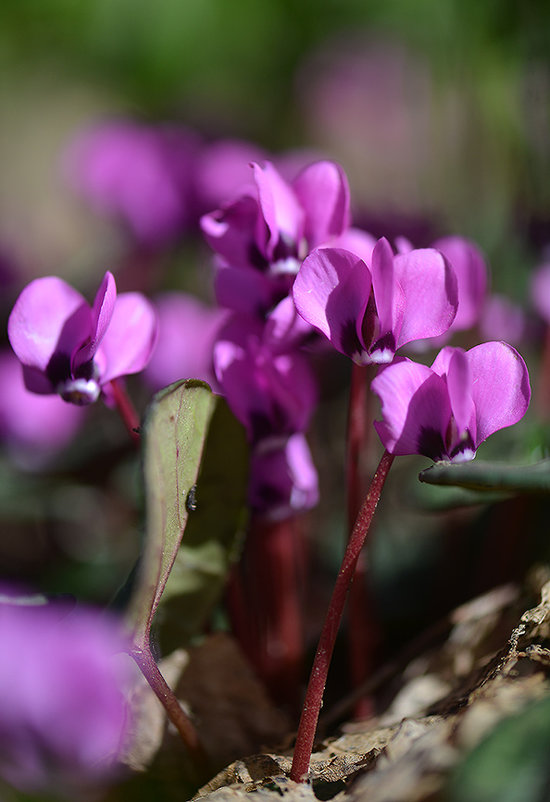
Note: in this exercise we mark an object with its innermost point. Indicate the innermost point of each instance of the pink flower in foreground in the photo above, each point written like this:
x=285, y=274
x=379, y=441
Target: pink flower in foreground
x=447, y=410
x=71, y=348
x=64, y=715
x=369, y=312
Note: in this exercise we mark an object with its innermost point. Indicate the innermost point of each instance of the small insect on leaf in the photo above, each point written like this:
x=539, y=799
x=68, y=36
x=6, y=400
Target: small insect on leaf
x=191, y=500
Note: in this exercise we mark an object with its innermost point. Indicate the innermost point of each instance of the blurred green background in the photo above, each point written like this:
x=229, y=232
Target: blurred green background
x=434, y=109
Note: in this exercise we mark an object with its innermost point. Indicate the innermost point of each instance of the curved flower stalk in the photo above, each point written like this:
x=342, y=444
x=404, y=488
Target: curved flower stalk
x=64, y=716
x=368, y=314
x=73, y=349
x=447, y=410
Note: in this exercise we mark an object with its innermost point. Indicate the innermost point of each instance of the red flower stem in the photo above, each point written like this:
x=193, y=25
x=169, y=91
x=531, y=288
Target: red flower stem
x=126, y=409
x=362, y=618
x=274, y=643
x=321, y=663
x=174, y=710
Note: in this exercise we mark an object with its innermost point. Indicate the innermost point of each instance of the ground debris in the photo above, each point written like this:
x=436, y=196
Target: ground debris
x=494, y=660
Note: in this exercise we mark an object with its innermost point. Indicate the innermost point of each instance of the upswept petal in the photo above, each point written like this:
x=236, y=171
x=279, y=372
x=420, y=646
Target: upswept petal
x=323, y=192
x=231, y=230
x=471, y=272
x=48, y=318
x=285, y=329
x=129, y=341
x=430, y=289
x=415, y=409
x=500, y=387
x=280, y=208
x=331, y=292
x=102, y=312
x=390, y=301
x=459, y=387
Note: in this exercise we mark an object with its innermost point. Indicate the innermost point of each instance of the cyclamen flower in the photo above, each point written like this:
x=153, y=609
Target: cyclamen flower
x=270, y=390
x=447, y=410
x=262, y=236
x=64, y=716
x=283, y=479
x=71, y=348
x=368, y=313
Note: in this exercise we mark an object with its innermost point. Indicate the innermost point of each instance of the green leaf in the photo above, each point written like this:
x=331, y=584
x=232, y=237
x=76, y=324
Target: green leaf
x=511, y=764
x=492, y=476
x=174, y=435
x=213, y=536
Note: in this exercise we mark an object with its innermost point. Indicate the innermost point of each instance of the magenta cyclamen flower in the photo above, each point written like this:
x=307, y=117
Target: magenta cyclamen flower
x=446, y=411
x=283, y=479
x=64, y=714
x=71, y=348
x=368, y=313
x=265, y=232
x=271, y=390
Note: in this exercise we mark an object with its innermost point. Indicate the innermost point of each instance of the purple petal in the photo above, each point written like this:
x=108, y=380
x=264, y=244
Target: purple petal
x=283, y=479
x=223, y=171
x=331, y=292
x=249, y=292
x=390, y=302
x=285, y=329
x=459, y=386
x=231, y=231
x=280, y=208
x=102, y=312
x=270, y=393
x=49, y=317
x=471, y=272
x=130, y=338
x=500, y=387
x=323, y=192
x=431, y=294
x=415, y=410
x=187, y=331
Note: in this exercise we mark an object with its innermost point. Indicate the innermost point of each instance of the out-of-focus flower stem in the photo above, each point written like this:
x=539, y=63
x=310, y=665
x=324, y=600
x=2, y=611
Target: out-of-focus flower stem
x=362, y=618
x=126, y=409
x=174, y=710
x=321, y=663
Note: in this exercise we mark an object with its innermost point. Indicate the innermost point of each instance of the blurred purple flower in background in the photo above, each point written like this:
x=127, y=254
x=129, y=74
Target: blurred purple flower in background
x=140, y=174
x=186, y=335
x=446, y=411
x=540, y=291
x=70, y=348
x=64, y=716
x=368, y=313
x=33, y=427
x=283, y=479
x=502, y=319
